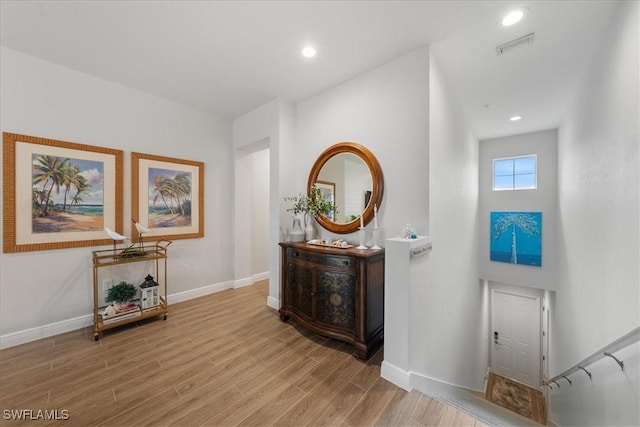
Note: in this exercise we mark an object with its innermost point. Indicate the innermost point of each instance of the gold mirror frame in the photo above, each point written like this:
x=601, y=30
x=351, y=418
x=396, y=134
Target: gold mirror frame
x=376, y=178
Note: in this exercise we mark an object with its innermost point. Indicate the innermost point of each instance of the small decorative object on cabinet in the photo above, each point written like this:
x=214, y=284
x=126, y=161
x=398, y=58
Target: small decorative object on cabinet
x=154, y=297
x=336, y=292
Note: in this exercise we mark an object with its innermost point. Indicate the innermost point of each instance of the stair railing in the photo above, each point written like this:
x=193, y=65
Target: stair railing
x=607, y=351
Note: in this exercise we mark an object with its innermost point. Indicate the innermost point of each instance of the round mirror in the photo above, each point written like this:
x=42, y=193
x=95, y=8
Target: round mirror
x=350, y=176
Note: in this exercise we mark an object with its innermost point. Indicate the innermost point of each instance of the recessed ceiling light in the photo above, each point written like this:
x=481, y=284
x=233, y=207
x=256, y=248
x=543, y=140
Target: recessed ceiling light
x=309, y=52
x=515, y=118
x=513, y=17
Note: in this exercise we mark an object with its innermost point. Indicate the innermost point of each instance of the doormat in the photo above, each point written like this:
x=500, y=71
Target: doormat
x=516, y=397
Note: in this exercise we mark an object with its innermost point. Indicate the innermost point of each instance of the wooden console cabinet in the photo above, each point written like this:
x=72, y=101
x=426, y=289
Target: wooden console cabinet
x=337, y=293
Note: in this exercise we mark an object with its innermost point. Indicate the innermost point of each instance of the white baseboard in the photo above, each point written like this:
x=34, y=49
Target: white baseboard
x=408, y=380
x=273, y=303
x=247, y=281
x=261, y=276
x=397, y=376
x=241, y=283
x=200, y=292
x=32, y=334
x=431, y=386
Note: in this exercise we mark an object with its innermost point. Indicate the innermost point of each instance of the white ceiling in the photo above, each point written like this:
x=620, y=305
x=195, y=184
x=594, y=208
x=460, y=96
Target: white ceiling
x=229, y=57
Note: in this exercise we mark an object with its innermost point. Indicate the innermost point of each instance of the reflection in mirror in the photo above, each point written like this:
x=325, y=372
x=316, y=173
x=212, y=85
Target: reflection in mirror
x=352, y=185
x=328, y=191
x=349, y=175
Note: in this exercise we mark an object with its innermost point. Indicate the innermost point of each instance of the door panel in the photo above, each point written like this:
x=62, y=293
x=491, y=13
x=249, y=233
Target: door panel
x=300, y=289
x=515, y=353
x=336, y=303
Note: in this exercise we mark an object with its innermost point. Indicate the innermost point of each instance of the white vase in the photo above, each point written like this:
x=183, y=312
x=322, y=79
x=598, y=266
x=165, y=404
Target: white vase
x=297, y=234
x=308, y=228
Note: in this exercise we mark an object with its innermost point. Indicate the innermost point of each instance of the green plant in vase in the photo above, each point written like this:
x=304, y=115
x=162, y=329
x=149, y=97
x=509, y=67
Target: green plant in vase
x=121, y=293
x=313, y=204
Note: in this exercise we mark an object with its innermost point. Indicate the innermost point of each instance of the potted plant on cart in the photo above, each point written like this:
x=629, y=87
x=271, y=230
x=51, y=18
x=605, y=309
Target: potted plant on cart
x=121, y=294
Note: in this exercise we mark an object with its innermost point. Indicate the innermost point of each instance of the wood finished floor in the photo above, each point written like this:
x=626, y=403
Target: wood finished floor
x=224, y=359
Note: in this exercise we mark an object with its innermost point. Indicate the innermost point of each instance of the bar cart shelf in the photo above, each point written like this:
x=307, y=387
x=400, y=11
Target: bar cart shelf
x=153, y=253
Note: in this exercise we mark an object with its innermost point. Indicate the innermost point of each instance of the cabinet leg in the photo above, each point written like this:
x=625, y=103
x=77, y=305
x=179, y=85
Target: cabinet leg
x=96, y=336
x=284, y=317
x=164, y=317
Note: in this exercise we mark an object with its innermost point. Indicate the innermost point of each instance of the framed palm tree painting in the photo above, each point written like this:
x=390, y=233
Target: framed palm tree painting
x=59, y=194
x=167, y=197
x=516, y=238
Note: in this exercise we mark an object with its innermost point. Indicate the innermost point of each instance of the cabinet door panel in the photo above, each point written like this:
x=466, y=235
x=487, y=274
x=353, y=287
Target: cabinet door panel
x=299, y=288
x=336, y=300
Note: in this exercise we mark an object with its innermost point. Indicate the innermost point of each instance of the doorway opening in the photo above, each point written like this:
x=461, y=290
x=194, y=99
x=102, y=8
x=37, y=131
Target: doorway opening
x=252, y=209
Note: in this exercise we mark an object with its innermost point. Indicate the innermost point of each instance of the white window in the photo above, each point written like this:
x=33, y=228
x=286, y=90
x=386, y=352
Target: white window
x=515, y=173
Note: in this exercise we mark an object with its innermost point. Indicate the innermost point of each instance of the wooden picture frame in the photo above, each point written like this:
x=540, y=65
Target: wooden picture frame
x=341, y=150
x=167, y=197
x=59, y=194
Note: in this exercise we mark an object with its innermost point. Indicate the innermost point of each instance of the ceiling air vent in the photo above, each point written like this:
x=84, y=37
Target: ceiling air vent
x=504, y=48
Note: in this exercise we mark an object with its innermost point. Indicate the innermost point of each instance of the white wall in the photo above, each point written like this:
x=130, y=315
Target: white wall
x=260, y=211
x=448, y=314
x=544, y=199
x=385, y=110
x=43, y=99
x=599, y=233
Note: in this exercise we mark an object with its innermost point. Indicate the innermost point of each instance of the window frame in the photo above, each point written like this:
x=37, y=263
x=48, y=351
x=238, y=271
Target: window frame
x=513, y=175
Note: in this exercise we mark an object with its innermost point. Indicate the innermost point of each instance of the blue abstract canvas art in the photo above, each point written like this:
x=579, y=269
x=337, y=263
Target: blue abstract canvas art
x=516, y=238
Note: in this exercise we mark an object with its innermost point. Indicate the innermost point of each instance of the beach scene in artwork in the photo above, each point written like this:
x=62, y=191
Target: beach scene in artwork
x=169, y=198
x=67, y=195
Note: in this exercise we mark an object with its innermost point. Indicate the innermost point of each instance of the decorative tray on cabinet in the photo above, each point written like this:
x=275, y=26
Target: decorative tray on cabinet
x=338, y=244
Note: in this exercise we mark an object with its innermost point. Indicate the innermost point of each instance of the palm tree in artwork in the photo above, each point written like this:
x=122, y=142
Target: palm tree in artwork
x=38, y=198
x=48, y=168
x=512, y=220
x=82, y=186
x=164, y=189
x=174, y=192
x=69, y=178
x=182, y=188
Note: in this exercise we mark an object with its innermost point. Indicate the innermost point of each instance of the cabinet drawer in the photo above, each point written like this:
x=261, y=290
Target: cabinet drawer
x=344, y=262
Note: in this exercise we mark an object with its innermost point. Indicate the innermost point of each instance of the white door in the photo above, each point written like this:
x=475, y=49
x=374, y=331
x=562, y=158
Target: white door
x=515, y=328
